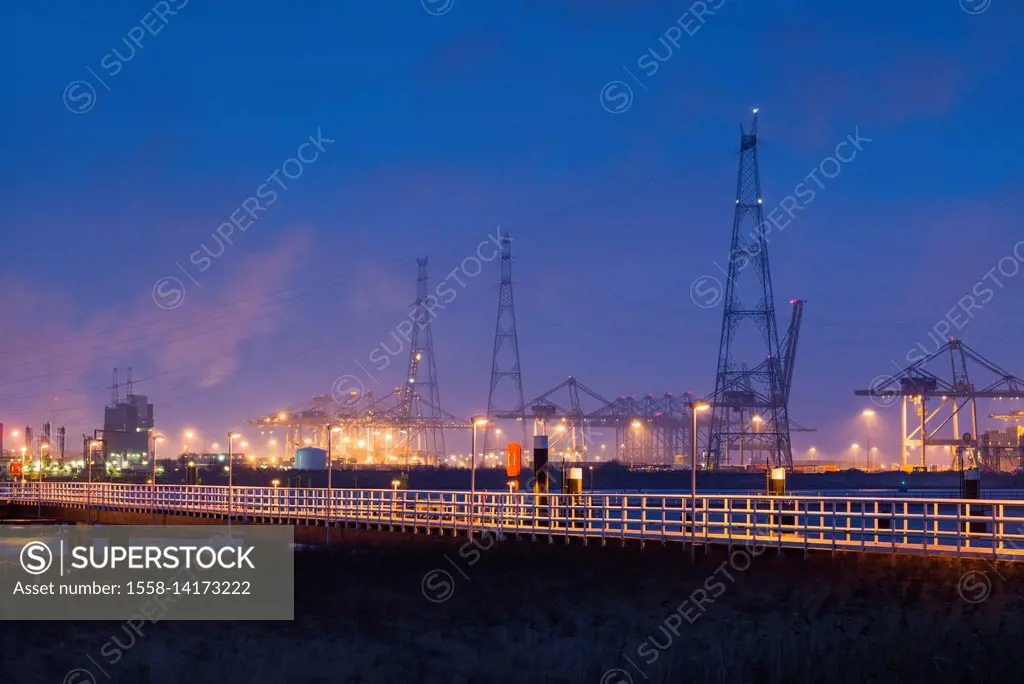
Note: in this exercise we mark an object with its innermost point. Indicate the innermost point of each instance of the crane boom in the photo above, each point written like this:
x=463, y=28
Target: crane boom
x=789, y=347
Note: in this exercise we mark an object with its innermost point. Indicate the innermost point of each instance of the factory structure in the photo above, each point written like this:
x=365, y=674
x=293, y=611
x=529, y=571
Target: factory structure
x=127, y=428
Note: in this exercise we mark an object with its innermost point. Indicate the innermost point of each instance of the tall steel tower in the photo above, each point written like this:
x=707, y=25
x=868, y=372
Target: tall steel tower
x=750, y=406
x=420, y=397
x=509, y=402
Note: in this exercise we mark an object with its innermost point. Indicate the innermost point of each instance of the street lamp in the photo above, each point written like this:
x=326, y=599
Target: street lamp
x=477, y=422
x=39, y=479
x=275, y=483
x=331, y=429
x=157, y=439
x=88, y=488
x=694, y=410
x=868, y=415
x=231, y=437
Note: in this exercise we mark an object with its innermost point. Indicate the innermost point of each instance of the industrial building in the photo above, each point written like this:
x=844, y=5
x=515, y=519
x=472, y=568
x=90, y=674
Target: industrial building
x=127, y=428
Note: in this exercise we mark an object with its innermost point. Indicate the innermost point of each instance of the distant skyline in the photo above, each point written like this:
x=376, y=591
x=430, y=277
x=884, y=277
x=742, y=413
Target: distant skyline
x=141, y=132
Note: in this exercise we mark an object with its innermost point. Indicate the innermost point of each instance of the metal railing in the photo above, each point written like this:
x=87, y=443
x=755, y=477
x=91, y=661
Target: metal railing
x=981, y=528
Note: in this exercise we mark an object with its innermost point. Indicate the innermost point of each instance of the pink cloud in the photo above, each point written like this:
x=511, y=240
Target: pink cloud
x=54, y=352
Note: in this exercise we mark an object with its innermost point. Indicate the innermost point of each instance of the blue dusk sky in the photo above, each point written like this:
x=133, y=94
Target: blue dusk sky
x=603, y=135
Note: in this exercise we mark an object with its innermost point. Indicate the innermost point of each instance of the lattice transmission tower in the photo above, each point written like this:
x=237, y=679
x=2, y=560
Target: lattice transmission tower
x=419, y=403
x=750, y=405
x=506, y=402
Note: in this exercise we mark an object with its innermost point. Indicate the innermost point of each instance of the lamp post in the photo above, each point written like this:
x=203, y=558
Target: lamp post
x=331, y=429
x=868, y=415
x=854, y=447
x=477, y=422
x=637, y=426
x=757, y=420
x=15, y=433
x=92, y=444
x=231, y=437
x=695, y=408
x=39, y=480
x=157, y=438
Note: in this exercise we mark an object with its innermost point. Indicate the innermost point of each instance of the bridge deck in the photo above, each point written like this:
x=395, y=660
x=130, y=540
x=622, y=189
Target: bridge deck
x=989, y=528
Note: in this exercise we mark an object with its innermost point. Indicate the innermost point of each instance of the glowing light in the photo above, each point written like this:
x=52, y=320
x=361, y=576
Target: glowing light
x=701, y=407
x=868, y=412
x=636, y=424
x=757, y=419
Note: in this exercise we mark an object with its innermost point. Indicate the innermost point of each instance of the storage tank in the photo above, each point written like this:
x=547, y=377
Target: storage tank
x=310, y=458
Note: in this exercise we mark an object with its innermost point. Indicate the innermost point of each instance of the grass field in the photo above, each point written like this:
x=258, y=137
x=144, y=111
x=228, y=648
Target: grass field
x=539, y=613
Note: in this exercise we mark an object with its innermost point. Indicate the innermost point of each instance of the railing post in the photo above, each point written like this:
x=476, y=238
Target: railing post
x=806, y=516
x=622, y=527
x=863, y=526
x=892, y=529
x=958, y=530
x=924, y=527
x=996, y=533
x=778, y=517
x=704, y=505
